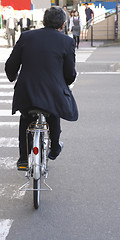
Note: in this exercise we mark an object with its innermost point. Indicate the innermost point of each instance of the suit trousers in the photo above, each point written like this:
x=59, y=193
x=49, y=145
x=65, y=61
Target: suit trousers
x=11, y=32
x=25, y=120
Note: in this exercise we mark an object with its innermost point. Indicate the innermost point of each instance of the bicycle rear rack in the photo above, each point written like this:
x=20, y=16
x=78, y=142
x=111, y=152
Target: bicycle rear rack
x=42, y=127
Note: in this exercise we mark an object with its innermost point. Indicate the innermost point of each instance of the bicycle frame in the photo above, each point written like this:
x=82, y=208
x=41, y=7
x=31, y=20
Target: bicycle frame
x=37, y=169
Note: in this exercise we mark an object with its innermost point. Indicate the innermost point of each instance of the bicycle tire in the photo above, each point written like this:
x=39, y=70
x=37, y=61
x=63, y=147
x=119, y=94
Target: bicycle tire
x=36, y=193
x=37, y=182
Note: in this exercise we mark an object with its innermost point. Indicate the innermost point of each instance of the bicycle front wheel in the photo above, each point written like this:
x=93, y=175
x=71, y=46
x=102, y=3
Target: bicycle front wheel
x=36, y=192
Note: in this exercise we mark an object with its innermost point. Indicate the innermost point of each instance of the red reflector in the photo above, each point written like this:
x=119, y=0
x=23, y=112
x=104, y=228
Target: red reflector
x=35, y=150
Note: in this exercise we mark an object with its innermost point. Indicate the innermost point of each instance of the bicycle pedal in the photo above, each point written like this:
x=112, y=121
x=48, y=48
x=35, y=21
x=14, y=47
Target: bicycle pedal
x=22, y=168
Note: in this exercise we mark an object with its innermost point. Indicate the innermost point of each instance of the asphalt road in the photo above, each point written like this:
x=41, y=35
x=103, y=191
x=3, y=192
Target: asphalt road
x=85, y=201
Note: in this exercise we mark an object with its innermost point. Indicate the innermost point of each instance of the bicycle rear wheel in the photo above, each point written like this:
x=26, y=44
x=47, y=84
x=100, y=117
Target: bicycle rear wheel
x=36, y=192
x=37, y=181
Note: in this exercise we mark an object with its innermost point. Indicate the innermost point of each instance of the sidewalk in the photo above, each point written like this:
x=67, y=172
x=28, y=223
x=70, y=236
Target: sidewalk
x=83, y=44
x=3, y=43
x=87, y=44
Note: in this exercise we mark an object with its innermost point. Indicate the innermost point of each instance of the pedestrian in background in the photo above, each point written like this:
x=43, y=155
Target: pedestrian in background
x=75, y=27
x=65, y=28
x=70, y=16
x=89, y=17
x=24, y=23
x=11, y=27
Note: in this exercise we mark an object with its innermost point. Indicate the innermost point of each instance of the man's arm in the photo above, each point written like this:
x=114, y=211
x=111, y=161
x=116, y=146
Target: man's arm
x=69, y=64
x=92, y=13
x=13, y=63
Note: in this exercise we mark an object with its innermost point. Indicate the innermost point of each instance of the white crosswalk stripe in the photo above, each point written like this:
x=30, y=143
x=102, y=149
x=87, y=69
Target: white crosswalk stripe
x=9, y=124
x=5, y=94
x=14, y=194
x=7, y=86
x=5, y=101
x=7, y=163
x=84, y=54
x=2, y=74
x=2, y=80
x=5, y=225
x=4, y=54
x=8, y=113
x=8, y=142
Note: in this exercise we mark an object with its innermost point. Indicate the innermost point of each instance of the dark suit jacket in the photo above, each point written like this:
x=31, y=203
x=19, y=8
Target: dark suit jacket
x=21, y=24
x=47, y=60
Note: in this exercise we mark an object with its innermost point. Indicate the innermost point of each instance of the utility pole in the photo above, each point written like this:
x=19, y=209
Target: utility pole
x=116, y=22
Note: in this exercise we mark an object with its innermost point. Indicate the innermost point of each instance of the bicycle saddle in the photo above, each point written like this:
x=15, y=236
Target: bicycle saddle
x=37, y=112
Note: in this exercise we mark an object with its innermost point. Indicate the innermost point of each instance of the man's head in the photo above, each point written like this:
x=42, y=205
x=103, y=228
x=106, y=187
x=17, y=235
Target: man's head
x=23, y=15
x=65, y=8
x=54, y=17
x=86, y=5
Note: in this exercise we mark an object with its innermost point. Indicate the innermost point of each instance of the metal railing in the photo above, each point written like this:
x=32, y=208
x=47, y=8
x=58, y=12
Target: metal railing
x=103, y=30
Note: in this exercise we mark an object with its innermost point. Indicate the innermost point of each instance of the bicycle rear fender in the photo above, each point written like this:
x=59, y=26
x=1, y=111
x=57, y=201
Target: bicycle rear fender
x=36, y=156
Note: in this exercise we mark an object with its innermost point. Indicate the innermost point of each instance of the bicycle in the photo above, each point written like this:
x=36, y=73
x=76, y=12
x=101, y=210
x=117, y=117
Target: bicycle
x=38, y=157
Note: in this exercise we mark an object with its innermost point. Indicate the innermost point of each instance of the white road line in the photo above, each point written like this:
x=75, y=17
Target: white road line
x=4, y=113
x=82, y=57
x=98, y=73
x=9, y=142
x=4, y=80
x=6, y=94
x=3, y=74
x=8, y=162
x=87, y=49
x=103, y=62
x=84, y=54
x=72, y=85
x=5, y=101
x=5, y=225
x=18, y=194
x=3, y=60
x=4, y=190
x=7, y=86
x=9, y=124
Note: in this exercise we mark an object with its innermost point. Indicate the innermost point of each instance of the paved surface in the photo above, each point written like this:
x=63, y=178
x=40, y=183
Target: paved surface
x=85, y=201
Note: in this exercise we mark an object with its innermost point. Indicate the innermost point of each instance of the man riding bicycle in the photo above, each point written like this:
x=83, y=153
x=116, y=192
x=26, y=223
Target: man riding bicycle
x=43, y=63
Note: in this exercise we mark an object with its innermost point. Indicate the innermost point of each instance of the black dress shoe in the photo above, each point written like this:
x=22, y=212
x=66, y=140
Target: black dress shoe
x=53, y=154
x=22, y=164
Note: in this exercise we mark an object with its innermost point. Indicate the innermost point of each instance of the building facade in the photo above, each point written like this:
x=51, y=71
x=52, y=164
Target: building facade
x=26, y=4
x=38, y=4
x=108, y=4
x=43, y=4
x=17, y=5
x=65, y=2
